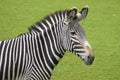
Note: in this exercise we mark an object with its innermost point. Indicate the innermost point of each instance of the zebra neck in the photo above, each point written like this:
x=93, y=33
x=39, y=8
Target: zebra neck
x=47, y=51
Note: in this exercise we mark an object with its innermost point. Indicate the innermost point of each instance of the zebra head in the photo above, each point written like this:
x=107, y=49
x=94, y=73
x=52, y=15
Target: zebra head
x=74, y=39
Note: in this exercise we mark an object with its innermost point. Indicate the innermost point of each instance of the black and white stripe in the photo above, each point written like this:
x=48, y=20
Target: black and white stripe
x=33, y=55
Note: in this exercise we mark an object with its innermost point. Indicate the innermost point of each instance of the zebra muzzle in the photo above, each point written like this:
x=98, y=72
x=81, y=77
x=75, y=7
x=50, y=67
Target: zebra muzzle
x=88, y=60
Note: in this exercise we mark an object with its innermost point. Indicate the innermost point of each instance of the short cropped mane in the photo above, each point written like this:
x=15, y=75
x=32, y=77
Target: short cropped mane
x=32, y=28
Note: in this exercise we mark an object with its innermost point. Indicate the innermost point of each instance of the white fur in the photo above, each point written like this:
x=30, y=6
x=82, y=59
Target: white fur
x=86, y=43
x=74, y=7
x=88, y=51
x=78, y=15
x=86, y=6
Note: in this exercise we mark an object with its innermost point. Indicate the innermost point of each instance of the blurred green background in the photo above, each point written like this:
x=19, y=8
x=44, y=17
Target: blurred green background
x=102, y=27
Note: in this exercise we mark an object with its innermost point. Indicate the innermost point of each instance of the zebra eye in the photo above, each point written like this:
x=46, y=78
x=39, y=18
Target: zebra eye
x=65, y=22
x=73, y=33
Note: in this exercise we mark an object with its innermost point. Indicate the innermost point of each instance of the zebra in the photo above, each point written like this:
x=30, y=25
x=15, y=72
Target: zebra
x=33, y=55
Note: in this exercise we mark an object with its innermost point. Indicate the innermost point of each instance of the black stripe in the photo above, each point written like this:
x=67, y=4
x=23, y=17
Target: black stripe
x=46, y=57
x=53, y=17
x=17, y=53
x=37, y=55
x=49, y=48
x=41, y=56
x=7, y=57
x=11, y=64
x=0, y=57
x=3, y=59
x=79, y=51
x=1, y=47
x=40, y=25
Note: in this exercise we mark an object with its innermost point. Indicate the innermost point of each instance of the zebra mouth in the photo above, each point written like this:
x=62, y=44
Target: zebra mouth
x=88, y=60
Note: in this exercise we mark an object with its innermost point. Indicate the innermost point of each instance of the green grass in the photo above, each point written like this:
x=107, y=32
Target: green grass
x=102, y=28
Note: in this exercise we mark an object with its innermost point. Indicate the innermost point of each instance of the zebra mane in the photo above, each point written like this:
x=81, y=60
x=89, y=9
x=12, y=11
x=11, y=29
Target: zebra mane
x=33, y=27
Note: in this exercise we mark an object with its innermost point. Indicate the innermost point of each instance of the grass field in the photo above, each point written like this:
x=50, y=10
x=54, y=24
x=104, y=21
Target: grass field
x=102, y=28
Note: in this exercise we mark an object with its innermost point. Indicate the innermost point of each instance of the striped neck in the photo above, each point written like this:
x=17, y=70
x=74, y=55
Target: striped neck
x=52, y=24
x=50, y=33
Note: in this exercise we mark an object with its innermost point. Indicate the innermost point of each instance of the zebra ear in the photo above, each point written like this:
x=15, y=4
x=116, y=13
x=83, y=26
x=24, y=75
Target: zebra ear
x=83, y=13
x=72, y=13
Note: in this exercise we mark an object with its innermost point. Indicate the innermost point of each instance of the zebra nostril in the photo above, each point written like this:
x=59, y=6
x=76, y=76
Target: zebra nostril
x=88, y=57
x=91, y=57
